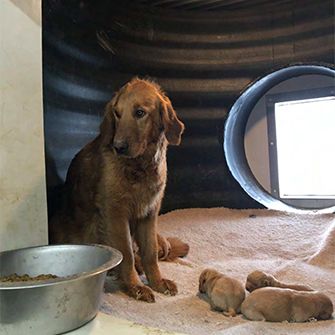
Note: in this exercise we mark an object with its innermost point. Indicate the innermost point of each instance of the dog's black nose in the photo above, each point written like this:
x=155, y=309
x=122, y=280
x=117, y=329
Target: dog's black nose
x=121, y=147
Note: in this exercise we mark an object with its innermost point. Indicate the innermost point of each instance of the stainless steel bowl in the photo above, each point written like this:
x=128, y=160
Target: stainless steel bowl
x=58, y=305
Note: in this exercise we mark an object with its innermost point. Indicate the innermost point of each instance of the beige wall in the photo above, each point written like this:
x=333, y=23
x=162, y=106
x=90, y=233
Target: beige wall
x=23, y=215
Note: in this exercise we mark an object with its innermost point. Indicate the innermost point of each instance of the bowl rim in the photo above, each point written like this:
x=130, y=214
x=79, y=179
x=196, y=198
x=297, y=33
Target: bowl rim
x=114, y=261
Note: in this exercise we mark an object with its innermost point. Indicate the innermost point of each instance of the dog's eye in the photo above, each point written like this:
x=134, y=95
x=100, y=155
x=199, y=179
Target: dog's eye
x=139, y=113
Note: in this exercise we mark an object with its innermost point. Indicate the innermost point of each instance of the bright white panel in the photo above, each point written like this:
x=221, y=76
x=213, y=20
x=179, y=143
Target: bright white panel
x=305, y=131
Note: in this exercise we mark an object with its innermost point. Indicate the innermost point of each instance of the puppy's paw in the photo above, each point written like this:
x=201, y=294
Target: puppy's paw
x=165, y=286
x=141, y=292
x=164, y=247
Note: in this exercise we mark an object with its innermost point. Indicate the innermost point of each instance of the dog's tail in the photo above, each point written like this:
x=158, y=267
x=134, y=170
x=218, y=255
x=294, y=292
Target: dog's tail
x=231, y=312
x=171, y=248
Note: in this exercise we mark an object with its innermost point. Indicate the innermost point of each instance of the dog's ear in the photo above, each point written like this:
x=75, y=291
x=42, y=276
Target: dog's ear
x=173, y=127
x=107, y=126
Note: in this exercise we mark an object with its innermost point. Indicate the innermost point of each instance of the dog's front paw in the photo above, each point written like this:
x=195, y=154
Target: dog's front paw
x=141, y=292
x=165, y=286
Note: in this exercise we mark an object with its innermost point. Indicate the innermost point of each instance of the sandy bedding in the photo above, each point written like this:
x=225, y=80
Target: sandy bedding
x=294, y=248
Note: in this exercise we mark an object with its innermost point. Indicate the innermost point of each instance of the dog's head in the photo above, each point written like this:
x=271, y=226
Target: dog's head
x=206, y=276
x=138, y=115
x=258, y=279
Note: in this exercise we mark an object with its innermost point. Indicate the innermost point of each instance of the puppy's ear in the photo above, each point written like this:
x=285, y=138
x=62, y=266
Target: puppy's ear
x=173, y=127
x=107, y=127
x=202, y=281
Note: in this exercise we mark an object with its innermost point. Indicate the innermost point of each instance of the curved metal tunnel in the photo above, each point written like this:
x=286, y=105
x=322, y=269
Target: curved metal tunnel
x=203, y=53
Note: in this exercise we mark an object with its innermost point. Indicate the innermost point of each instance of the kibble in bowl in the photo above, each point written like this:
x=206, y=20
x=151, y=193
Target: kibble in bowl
x=52, y=289
x=17, y=278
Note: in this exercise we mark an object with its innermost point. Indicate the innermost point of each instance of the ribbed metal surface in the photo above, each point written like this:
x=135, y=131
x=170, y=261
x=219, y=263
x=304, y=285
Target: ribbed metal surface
x=202, y=56
x=203, y=5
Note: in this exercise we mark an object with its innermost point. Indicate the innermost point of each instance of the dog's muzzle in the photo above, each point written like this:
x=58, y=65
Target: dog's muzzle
x=121, y=147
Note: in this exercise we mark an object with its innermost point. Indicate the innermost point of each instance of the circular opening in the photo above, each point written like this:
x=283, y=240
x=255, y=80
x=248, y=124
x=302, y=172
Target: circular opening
x=243, y=117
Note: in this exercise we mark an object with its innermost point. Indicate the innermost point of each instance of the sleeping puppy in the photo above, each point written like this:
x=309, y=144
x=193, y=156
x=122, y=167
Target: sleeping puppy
x=258, y=279
x=115, y=185
x=282, y=304
x=169, y=249
x=225, y=294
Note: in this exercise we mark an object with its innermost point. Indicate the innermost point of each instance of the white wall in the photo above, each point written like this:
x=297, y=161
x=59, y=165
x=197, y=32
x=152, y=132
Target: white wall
x=23, y=213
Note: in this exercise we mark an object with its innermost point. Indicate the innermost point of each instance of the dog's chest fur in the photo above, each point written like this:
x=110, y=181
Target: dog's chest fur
x=137, y=185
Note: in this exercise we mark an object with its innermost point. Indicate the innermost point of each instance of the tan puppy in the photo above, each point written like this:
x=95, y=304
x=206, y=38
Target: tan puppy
x=258, y=279
x=282, y=304
x=225, y=294
x=169, y=249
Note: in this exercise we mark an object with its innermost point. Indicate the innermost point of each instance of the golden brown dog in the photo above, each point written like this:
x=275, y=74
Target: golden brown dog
x=115, y=185
x=225, y=294
x=258, y=279
x=283, y=304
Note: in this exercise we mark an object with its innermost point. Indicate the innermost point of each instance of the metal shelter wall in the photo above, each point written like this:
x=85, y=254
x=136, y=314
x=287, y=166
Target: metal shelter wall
x=203, y=53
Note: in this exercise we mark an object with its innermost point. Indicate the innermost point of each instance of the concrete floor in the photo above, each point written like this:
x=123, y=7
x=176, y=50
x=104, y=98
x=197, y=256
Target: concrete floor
x=105, y=324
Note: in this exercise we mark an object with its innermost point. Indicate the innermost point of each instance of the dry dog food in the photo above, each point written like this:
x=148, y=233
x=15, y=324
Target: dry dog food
x=15, y=277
